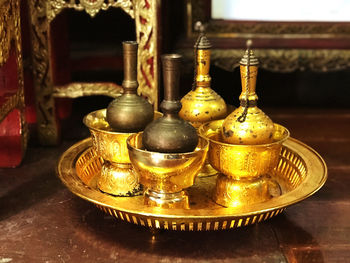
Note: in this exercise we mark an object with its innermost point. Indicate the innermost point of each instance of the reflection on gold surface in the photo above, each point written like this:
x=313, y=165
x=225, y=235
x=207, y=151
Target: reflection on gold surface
x=236, y=193
x=166, y=175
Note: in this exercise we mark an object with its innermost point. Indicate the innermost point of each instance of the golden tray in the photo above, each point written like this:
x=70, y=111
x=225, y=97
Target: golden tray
x=300, y=172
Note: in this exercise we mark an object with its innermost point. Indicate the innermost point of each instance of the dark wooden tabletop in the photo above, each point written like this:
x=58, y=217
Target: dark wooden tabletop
x=41, y=221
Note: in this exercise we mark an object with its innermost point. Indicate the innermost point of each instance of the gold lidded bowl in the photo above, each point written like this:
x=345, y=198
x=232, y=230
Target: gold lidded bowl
x=245, y=169
x=248, y=124
x=242, y=161
x=245, y=147
x=117, y=176
x=202, y=104
x=166, y=175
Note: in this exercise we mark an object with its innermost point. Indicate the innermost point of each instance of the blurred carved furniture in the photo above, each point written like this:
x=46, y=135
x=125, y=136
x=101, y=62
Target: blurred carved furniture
x=13, y=127
x=282, y=46
x=43, y=14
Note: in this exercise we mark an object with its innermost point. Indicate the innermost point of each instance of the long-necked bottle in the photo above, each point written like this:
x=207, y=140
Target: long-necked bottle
x=248, y=124
x=170, y=133
x=129, y=112
x=202, y=104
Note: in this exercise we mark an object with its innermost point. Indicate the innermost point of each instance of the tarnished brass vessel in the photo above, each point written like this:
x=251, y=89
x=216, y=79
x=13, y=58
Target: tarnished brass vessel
x=110, y=128
x=129, y=112
x=248, y=124
x=170, y=134
x=166, y=175
x=117, y=176
x=168, y=154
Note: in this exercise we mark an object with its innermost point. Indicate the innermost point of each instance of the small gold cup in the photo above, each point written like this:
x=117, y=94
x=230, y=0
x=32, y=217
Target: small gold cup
x=165, y=175
x=245, y=169
x=117, y=176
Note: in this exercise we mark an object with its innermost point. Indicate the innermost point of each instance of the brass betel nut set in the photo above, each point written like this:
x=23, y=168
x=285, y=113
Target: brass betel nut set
x=159, y=155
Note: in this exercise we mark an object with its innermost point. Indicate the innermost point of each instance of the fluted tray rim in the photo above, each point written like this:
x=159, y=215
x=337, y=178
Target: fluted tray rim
x=314, y=181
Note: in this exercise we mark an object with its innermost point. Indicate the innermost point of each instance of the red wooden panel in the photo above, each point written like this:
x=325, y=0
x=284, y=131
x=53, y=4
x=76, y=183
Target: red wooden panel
x=8, y=78
x=11, y=149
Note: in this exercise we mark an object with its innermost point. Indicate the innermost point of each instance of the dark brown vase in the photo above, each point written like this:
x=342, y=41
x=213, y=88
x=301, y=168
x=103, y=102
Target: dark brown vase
x=129, y=112
x=170, y=134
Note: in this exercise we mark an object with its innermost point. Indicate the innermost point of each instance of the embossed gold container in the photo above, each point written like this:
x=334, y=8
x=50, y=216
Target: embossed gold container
x=248, y=124
x=245, y=169
x=117, y=176
x=165, y=175
x=202, y=104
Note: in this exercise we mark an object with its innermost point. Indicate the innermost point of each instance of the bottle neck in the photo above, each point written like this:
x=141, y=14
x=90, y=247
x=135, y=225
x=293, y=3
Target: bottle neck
x=203, y=78
x=171, y=109
x=130, y=83
x=171, y=105
x=249, y=98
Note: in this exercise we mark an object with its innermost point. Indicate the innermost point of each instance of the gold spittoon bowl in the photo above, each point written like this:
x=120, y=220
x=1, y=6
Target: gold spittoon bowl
x=245, y=169
x=165, y=175
x=117, y=176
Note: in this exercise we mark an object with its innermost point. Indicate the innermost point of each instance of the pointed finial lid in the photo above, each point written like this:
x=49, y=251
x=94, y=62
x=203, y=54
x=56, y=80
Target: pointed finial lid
x=202, y=41
x=249, y=59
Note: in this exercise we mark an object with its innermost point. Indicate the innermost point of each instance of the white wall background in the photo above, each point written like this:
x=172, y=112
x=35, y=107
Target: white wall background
x=282, y=10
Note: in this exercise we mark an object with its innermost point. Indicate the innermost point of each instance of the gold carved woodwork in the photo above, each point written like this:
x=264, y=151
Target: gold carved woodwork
x=278, y=60
x=42, y=12
x=92, y=7
x=10, y=35
x=281, y=60
x=6, y=35
x=45, y=106
x=146, y=20
x=80, y=89
x=11, y=103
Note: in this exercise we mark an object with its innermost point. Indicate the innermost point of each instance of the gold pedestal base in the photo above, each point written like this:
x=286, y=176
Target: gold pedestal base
x=207, y=170
x=166, y=200
x=229, y=192
x=119, y=180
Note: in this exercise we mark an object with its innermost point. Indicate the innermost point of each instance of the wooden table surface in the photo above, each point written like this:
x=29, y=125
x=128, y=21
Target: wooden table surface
x=41, y=221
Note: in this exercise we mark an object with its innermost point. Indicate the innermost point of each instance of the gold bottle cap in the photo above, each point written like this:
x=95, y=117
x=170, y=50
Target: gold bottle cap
x=249, y=59
x=202, y=42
